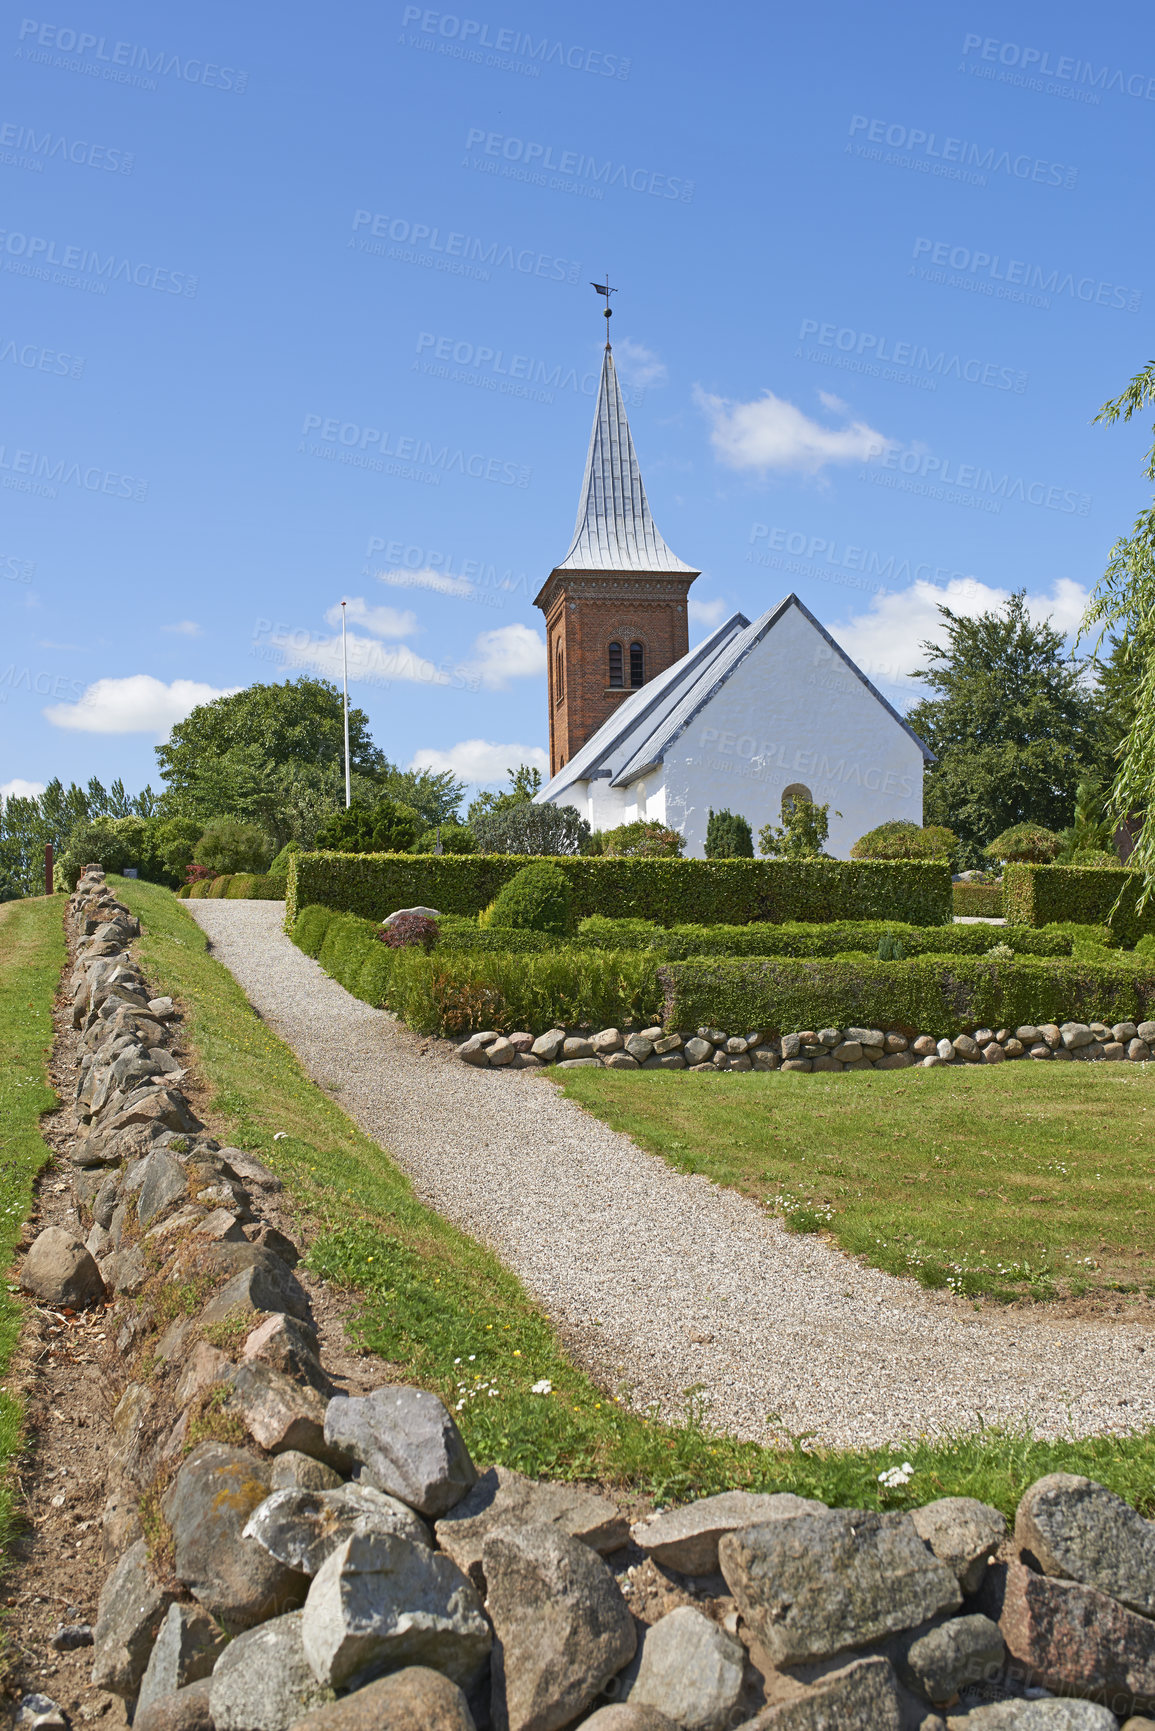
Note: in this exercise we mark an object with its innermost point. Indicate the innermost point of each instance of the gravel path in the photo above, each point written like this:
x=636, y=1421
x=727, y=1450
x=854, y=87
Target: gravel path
x=660, y=1280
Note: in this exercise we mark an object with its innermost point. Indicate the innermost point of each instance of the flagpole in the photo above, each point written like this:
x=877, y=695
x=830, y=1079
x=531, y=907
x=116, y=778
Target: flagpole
x=345, y=674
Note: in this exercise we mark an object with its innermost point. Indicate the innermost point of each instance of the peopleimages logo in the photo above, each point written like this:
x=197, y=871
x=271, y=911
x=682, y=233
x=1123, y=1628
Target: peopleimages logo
x=35, y=358
x=460, y=254
x=842, y=563
x=882, y=357
x=366, y=447
x=80, y=51
x=1039, y=63
x=540, y=159
x=33, y=255
x=32, y=472
x=966, y=483
x=989, y=159
x=468, y=36
x=52, y=146
x=1017, y=278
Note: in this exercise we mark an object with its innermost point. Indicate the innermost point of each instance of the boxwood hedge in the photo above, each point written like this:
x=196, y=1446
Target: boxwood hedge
x=1037, y=895
x=797, y=939
x=979, y=901
x=926, y=995
x=665, y=890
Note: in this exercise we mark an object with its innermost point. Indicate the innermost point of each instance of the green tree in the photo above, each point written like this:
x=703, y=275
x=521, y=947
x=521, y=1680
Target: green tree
x=230, y=846
x=522, y=827
x=387, y=827
x=728, y=836
x=524, y=783
x=242, y=755
x=434, y=795
x=1012, y=723
x=803, y=833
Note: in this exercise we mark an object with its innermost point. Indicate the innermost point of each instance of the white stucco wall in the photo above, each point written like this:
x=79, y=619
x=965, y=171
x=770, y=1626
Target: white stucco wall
x=793, y=712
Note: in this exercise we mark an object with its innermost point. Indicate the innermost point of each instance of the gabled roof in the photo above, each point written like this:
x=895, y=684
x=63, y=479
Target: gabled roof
x=640, y=714
x=637, y=736
x=614, y=529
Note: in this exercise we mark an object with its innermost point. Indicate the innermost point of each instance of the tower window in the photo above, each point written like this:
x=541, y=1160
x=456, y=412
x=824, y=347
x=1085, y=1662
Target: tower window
x=637, y=664
x=559, y=680
x=616, y=677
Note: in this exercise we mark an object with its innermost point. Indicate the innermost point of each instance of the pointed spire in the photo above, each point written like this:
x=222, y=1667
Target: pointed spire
x=614, y=529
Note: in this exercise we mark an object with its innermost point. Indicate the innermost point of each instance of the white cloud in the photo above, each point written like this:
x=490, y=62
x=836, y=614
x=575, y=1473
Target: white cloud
x=481, y=761
x=381, y=621
x=886, y=641
x=17, y=788
x=638, y=365
x=707, y=613
x=774, y=434
x=509, y=652
x=438, y=581
x=138, y=704
x=370, y=662
x=185, y=628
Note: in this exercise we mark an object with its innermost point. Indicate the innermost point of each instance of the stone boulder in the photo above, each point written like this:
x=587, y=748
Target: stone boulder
x=1078, y=1530
x=186, y=1709
x=862, y=1696
x=625, y=1716
x=290, y=1346
x=941, y=1662
x=689, y=1669
x=1073, y=1639
x=185, y=1650
x=279, y=1412
x=502, y=1497
x=59, y=1271
x=963, y=1534
x=687, y=1538
x=813, y=1585
x=416, y=1699
x=131, y=1610
x=262, y=1680
x=301, y=1527
x=378, y=1603
x=165, y=1182
x=1035, y=1716
x=207, y=1506
x=561, y=1627
x=297, y=1472
x=407, y=1443
x=263, y=1286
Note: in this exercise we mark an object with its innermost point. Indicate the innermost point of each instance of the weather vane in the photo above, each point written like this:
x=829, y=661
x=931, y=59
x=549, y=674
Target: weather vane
x=605, y=289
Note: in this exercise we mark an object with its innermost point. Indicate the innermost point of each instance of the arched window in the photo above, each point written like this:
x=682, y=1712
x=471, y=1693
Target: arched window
x=792, y=794
x=559, y=681
x=637, y=664
x=616, y=677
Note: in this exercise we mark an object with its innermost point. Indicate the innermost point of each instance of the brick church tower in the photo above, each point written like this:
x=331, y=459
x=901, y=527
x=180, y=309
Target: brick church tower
x=615, y=608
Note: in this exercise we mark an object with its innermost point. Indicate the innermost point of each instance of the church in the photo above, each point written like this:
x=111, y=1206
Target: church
x=761, y=713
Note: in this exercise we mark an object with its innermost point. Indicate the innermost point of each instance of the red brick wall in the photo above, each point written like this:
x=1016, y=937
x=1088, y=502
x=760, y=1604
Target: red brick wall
x=587, y=611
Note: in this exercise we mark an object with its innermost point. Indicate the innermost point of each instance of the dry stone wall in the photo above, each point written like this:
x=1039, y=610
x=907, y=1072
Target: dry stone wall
x=280, y=1553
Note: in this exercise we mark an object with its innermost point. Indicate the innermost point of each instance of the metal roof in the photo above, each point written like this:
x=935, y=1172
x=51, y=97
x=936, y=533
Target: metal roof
x=637, y=736
x=614, y=529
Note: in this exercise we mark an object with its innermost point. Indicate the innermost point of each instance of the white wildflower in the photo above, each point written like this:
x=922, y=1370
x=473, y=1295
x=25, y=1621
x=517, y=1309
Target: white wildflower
x=545, y=1386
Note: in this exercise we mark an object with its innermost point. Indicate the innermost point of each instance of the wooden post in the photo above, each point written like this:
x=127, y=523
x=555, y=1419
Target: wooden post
x=48, y=869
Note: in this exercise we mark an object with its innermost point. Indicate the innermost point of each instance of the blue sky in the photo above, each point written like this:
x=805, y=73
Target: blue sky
x=297, y=311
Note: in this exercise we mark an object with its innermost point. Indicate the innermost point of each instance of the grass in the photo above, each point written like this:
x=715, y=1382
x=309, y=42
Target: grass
x=31, y=957
x=1026, y=1180
x=442, y=1307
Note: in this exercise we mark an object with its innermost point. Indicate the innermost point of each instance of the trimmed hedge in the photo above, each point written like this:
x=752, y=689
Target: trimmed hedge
x=257, y=887
x=219, y=887
x=459, y=994
x=979, y=901
x=831, y=939
x=1041, y=895
x=926, y=995
x=664, y=890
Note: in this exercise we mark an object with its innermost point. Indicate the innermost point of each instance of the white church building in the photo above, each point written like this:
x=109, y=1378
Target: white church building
x=758, y=714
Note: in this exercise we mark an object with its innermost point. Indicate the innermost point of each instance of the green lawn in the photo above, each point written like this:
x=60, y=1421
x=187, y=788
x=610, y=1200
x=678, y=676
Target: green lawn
x=1029, y=1179
x=442, y=1307
x=31, y=957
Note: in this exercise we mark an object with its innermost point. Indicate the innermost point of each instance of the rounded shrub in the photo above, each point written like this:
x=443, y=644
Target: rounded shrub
x=538, y=898
x=228, y=846
x=388, y=827
x=902, y=839
x=642, y=840
x=280, y=864
x=1024, y=844
x=219, y=887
